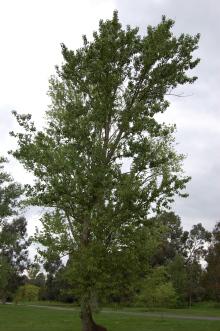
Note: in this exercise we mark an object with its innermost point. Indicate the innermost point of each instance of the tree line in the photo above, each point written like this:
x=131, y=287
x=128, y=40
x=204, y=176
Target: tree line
x=178, y=267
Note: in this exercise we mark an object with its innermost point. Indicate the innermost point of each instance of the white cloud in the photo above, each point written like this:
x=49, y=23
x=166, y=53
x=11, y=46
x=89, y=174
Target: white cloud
x=31, y=33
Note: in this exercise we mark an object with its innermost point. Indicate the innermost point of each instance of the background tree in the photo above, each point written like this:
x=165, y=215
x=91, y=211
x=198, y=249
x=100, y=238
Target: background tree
x=5, y=273
x=36, y=276
x=33, y=271
x=157, y=290
x=196, y=243
x=212, y=274
x=182, y=252
x=194, y=289
x=172, y=239
x=52, y=266
x=28, y=292
x=14, y=245
x=40, y=280
x=10, y=193
x=103, y=161
x=13, y=236
x=176, y=269
x=196, y=246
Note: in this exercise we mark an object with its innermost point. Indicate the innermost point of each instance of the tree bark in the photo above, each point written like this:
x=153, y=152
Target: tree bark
x=88, y=324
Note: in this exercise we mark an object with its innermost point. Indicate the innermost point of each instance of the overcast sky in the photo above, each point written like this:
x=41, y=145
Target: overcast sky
x=31, y=33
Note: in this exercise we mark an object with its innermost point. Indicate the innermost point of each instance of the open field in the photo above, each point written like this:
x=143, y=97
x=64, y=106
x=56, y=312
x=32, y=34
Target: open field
x=25, y=318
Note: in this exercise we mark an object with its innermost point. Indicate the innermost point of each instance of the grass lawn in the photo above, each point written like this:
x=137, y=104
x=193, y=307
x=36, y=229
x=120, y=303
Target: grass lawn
x=24, y=318
x=200, y=309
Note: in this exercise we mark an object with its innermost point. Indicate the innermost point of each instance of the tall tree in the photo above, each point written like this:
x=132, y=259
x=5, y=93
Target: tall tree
x=103, y=161
x=196, y=243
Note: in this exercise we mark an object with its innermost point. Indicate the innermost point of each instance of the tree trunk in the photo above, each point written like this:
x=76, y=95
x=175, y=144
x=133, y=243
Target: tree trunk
x=190, y=300
x=88, y=324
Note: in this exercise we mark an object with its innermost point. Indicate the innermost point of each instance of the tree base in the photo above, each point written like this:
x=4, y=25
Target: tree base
x=97, y=327
x=93, y=327
x=88, y=324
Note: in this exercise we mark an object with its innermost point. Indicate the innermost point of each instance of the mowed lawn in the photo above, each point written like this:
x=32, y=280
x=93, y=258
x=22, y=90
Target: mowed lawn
x=24, y=318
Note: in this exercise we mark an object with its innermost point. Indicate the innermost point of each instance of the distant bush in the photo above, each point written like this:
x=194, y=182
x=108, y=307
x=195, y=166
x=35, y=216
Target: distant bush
x=27, y=292
x=163, y=295
x=157, y=291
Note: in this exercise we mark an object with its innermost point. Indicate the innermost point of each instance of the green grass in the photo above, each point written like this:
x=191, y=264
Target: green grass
x=198, y=309
x=24, y=318
x=201, y=309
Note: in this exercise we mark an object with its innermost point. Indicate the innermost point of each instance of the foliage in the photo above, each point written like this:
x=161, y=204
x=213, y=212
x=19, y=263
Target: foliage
x=10, y=193
x=14, y=254
x=52, y=265
x=33, y=271
x=195, y=246
x=212, y=274
x=157, y=290
x=172, y=239
x=196, y=243
x=5, y=273
x=40, y=280
x=26, y=293
x=194, y=290
x=13, y=236
x=185, y=269
x=177, y=272
x=103, y=162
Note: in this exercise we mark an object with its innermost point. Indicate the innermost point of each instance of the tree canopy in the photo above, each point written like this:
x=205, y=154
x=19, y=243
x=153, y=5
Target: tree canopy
x=104, y=162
